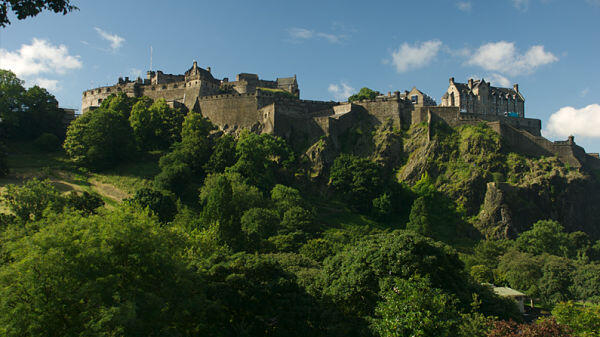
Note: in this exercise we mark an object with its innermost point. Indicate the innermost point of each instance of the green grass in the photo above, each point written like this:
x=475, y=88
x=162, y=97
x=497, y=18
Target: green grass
x=26, y=162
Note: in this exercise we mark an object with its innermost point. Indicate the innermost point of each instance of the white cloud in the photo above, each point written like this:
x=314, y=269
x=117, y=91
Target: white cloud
x=341, y=91
x=464, y=6
x=503, y=57
x=37, y=58
x=115, y=40
x=521, y=5
x=46, y=83
x=409, y=57
x=300, y=34
x=568, y=121
x=499, y=80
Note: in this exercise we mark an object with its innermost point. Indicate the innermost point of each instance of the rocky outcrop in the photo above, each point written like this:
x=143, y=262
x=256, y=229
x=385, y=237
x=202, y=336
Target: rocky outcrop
x=508, y=210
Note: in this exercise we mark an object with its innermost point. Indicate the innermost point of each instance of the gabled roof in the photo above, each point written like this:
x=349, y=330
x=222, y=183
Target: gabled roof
x=506, y=92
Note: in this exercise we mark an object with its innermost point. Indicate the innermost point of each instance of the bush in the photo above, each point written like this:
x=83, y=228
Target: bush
x=29, y=201
x=86, y=202
x=47, y=142
x=161, y=204
x=363, y=93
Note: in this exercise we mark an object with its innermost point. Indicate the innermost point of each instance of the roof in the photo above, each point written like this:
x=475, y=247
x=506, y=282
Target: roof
x=508, y=292
x=464, y=88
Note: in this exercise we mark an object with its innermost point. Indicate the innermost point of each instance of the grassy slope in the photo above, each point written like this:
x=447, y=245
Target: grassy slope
x=26, y=162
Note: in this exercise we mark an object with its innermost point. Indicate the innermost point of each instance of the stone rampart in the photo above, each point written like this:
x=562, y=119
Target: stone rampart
x=388, y=108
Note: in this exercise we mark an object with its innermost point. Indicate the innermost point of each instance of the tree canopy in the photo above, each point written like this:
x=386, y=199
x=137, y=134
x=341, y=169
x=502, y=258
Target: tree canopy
x=29, y=8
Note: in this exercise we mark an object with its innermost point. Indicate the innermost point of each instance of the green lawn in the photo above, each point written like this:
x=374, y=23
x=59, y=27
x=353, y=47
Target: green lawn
x=26, y=162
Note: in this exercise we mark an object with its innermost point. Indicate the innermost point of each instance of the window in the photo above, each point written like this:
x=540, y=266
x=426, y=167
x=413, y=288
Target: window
x=414, y=99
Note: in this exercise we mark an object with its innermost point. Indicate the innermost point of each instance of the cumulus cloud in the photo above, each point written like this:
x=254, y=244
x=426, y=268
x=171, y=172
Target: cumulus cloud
x=504, y=57
x=409, y=57
x=568, y=121
x=46, y=83
x=341, y=91
x=39, y=57
x=499, y=80
x=303, y=34
x=464, y=6
x=115, y=40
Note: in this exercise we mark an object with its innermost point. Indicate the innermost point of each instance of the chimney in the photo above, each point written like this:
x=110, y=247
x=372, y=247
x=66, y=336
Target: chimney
x=516, y=87
x=195, y=64
x=470, y=83
x=208, y=69
x=451, y=80
x=389, y=94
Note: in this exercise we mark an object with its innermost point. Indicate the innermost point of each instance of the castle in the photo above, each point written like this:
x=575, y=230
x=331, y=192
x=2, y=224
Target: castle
x=478, y=96
x=275, y=107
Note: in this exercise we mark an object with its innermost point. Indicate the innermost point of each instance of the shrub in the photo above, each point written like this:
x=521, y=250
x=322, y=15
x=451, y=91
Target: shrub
x=47, y=142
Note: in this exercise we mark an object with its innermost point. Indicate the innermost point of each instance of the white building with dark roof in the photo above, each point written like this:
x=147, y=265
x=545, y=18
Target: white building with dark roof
x=479, y=97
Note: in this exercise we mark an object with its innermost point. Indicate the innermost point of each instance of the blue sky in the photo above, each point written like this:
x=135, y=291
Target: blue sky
x=549, y=47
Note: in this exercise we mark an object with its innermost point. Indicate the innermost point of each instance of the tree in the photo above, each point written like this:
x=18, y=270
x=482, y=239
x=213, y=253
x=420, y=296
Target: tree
x=352, y=277
x=26, y=114
x=414, y=308
x=260, y=223
x=286, y=197
x=363, y=93
x=555, y=283
x=260, y=157
x=586, y=282
x=583, y=320
x=114, y=274
x=11, y=101
x=100, y=139
x=254, y=296
x=356, y=179
x=4, y=170
x=161, y=204
x=41, y=114
x=521, y=271
x=29, y=8
x=155, y=125
x=223, y=155
x=420, y=218
x=546, y=236
x=224, y=199
x=187, y=158
x=29, y=201
x=86, y=202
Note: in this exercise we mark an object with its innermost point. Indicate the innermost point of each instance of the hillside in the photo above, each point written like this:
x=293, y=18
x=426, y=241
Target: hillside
x=350, y=236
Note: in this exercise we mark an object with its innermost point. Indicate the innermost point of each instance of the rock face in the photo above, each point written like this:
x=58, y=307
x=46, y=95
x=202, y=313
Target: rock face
x=508, y=210
x=500, y=191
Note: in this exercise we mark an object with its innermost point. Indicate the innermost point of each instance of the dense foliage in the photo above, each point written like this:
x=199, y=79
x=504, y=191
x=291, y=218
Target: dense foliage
x=27, y=113
x=230, y=237
x=363, y=93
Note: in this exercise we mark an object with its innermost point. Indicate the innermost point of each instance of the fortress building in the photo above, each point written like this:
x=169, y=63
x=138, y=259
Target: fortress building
x=479, y=97
x=184, y=90
x=275, y=107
